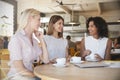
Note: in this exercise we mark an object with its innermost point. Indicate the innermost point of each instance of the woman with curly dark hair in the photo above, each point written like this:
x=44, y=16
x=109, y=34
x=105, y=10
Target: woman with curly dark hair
x=96, y=46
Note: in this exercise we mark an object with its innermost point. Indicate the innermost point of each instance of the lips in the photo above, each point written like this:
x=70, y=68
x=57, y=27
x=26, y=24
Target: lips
x=91, y=32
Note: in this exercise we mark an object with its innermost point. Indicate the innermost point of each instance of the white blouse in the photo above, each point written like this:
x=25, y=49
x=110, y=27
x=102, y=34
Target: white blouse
x=56, y=47
x=96, y=46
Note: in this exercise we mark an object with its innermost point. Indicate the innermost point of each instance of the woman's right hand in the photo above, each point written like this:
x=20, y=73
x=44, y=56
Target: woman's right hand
x=86, y=53
x=38, y=34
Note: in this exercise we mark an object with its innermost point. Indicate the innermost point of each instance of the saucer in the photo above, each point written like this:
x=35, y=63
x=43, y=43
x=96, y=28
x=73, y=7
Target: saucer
x=92, y=60
x=76, y=62
x=57, y=65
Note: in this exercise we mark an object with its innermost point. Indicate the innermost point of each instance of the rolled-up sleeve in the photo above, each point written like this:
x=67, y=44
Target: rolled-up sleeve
x=15, y=49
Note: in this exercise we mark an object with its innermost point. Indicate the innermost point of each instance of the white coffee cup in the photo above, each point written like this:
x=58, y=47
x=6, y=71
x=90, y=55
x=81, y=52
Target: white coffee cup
x=91, y=57
x=61, y=61
x=75, y=59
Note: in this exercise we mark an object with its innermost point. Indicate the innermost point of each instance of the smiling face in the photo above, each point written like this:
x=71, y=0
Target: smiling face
x=58, y=26
x=55, y=26
x=92, y=29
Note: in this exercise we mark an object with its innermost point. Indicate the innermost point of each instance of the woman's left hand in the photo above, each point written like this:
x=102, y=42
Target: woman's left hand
x=53, y=61
x=98, y=57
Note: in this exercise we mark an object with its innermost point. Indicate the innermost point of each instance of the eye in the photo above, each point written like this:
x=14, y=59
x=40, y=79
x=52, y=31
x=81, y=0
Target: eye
x=59, y=23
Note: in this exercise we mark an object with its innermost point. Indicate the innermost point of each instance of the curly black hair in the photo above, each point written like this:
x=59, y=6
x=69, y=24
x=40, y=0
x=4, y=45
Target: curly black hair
x=100, y=24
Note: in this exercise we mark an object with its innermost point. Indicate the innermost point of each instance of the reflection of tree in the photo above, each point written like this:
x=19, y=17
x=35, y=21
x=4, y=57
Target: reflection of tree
x=4, y=25
x=5, y=20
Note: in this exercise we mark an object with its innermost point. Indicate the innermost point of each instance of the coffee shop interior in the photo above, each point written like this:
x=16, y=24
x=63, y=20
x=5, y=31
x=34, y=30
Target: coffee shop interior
x=74, y=12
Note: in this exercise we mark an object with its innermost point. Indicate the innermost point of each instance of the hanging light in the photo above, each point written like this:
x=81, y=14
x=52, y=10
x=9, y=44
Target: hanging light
x=72, y=22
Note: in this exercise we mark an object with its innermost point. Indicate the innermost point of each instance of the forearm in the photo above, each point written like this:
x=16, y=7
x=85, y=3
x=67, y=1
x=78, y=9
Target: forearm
x=45, y=58
x=20, y=68
x=83, y=56
x=27, y=73
x=107, y=57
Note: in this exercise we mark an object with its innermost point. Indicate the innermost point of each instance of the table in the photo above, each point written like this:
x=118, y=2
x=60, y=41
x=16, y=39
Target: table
x=49, y=72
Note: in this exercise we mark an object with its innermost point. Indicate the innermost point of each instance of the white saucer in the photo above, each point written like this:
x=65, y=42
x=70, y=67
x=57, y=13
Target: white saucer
x=76, y=62
x=57, y=65
x=92, y=60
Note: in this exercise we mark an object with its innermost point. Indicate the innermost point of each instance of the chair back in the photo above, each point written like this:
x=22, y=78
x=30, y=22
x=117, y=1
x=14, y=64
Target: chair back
x=4, y=54
x=71, y=51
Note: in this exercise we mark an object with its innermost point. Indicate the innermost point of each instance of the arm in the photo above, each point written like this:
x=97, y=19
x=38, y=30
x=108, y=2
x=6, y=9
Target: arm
x=44, y=56
x=19, y=66
x=115, y=43
x=108, y=50
x=82, y=49
x=67, y=55
x=84, y=52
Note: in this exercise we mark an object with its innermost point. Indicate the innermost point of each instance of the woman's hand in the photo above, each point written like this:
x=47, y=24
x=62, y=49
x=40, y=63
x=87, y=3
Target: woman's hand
x=98, y=57
x=38, y=34
x=53, y=61
x=86, y=52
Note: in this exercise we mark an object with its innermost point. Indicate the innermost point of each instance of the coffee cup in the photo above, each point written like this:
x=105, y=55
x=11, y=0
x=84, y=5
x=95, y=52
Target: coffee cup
x=61, y=61
x=75, y=59
x=91, y=57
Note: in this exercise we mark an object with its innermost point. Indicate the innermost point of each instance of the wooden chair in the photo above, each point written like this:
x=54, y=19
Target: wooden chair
x=4, y=68
x=71, y=51
x=4, y=58
x=3, y=73
x=4, y=54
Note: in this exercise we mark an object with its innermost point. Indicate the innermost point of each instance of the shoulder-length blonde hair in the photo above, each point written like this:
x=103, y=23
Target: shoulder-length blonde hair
x=52, y=21
x=24, y=17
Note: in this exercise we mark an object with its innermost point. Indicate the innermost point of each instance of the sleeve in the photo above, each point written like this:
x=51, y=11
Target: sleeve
x=38, y=47
x=15, y=49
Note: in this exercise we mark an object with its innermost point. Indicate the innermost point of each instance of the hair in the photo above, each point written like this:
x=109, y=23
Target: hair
x=101, y=25
x=6, y=38
x=25, y=16
x=68, y=37
x=52, y=21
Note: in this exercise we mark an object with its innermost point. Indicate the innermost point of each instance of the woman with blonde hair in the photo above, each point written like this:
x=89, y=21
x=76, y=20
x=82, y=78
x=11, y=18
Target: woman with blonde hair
x=56, y=44
x=24, y=49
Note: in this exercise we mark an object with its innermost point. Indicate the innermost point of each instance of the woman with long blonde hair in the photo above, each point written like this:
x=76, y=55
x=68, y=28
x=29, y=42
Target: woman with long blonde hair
x=24, y=49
